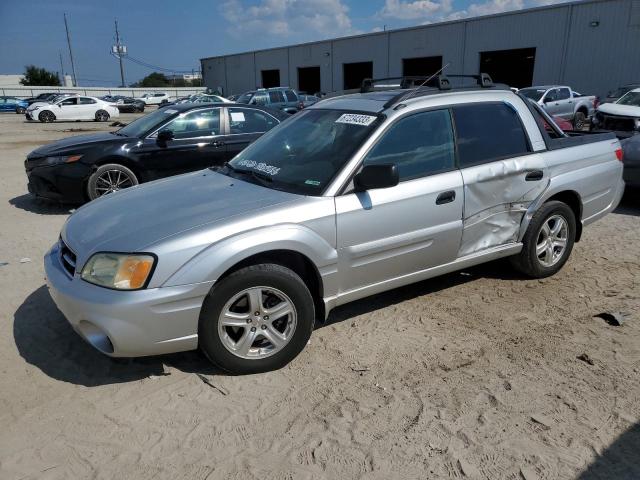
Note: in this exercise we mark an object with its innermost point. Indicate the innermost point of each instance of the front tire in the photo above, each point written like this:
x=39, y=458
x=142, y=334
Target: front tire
x=46, y=117
x=102, y=116
x=548, y=241
x=579, y=121
x=257, y=319
x=110, y=178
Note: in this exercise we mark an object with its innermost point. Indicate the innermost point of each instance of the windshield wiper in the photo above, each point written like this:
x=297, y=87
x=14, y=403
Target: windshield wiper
x=263, y=178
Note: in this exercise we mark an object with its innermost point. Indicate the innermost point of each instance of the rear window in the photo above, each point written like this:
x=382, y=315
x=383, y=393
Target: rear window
x=488, y=131
x=276, y=97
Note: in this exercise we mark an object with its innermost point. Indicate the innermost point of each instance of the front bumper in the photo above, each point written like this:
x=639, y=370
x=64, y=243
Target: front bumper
x=127, y=323
x=63, y=183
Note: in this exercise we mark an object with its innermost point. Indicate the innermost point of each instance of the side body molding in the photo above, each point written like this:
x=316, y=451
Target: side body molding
x=216, y=259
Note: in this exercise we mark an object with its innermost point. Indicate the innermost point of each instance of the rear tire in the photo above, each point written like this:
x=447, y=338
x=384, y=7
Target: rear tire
x=579, y=121
x=548, y=241
x=46, y=117
x=110, y=178
x=102, y=116
x=237, y=340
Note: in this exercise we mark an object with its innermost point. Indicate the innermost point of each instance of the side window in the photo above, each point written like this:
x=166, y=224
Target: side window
x=276, y=97
x=291, y=96
x=2, y=100
x=563, y=94
x=420, y=145
x=158, y=94
x=244, y=120
x=552, y=95
x=260, y=99
x=70, y=101
x=86, y=101
x=487, y=132
x=201, y=123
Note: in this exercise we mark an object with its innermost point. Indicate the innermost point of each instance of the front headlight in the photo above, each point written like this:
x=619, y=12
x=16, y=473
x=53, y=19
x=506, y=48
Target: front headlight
x=57, y=160
x=119, y=270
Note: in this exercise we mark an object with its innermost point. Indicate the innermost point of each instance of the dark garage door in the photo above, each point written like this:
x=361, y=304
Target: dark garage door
x=270, y=78
x=421, y=66
x=513, y=67
x=309, y=79
x=354, y=73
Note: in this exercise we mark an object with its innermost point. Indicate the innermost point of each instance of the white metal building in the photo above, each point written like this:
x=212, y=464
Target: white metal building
x=592, y=45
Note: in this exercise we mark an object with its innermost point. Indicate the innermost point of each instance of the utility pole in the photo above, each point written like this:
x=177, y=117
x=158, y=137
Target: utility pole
x=61, y=70
x=121, y=50
x=73, y=68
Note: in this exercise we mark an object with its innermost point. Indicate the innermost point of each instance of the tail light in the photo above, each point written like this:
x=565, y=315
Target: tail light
x=619, y=154
x=596, y=102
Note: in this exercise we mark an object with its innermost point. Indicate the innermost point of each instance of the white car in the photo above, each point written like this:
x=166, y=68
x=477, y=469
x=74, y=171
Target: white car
x=72, y=108
x=622, y=116
x=154, y=98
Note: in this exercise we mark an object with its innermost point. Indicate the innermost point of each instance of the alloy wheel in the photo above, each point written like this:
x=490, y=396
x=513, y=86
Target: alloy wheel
x=111, y=181
x=257, y=322
x=552, y=240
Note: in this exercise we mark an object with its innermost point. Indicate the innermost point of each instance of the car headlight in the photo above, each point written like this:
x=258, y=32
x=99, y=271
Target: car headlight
x=637, y=123
x=57, y=160
x=121, y=271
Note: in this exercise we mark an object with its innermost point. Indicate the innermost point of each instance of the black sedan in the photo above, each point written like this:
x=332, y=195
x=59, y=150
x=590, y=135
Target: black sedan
x=125, y=104
x=170, y=141
x=631, y=159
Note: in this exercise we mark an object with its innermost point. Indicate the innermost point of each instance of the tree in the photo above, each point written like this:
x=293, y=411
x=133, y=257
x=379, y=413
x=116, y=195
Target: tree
x=154, y=79
x=34, y=76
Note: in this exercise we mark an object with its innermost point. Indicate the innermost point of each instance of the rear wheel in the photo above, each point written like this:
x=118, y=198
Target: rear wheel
x=579, y=121
x=548, y=241
x=257, y=319
x=108, y=179
x=46, y=117
x=102, y=116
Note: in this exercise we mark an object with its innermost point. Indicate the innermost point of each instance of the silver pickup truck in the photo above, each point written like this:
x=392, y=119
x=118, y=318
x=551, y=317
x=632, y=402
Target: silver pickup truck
x=352, y=196
x=561, y=101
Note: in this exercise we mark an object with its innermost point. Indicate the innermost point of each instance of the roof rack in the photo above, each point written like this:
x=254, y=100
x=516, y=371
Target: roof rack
x=443, y=83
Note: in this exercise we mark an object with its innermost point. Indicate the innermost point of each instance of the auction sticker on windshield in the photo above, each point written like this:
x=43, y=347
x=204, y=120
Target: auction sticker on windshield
x=356, y=119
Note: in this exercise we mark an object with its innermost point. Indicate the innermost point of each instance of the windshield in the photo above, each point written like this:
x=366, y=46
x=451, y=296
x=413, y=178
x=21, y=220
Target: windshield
x=532, y=93
x=245, y=97
x=304, y=153
x=142, y=125
x=630, y=98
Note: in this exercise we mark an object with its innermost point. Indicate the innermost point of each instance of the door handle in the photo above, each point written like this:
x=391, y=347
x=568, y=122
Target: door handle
x=218, y=143
x=446, y=197
x=534, y=176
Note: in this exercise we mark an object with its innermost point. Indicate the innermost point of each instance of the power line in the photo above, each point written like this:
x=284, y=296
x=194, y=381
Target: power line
x=156, y=67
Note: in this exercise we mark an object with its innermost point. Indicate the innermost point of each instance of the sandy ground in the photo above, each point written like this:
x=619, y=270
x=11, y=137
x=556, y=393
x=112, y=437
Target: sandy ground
x=471, y=375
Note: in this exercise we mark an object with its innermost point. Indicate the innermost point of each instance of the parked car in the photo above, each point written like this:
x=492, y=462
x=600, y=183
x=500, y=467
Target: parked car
x=565, y=125
x=562, y=101
x=283, y=98
x=13, y=104
x=631, y=160
x=153, y=98
x=72, y=108
x=616, y=93
x=43, y=97
x=307, y=100
x=166, y=142
x=125, y=104
x=621, y=117
x=196, y=99
x=344, y=200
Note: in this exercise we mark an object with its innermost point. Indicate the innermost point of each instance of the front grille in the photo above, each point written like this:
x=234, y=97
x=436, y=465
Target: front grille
x=616, y=122
x=68, y=258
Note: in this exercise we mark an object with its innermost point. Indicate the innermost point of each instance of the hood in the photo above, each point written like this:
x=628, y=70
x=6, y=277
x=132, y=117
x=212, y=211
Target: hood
x=617, y=109
x=133, y=219
x=78, y=141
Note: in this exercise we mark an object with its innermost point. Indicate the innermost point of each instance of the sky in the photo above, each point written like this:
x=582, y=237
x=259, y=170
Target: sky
x=174, y=35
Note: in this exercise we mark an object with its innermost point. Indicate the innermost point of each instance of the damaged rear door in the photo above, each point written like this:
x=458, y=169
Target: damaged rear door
x=501, y=173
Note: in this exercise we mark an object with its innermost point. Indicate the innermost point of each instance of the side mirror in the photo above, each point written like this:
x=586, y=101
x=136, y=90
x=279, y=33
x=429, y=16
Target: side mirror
x=376, y=176
x=164, y=136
